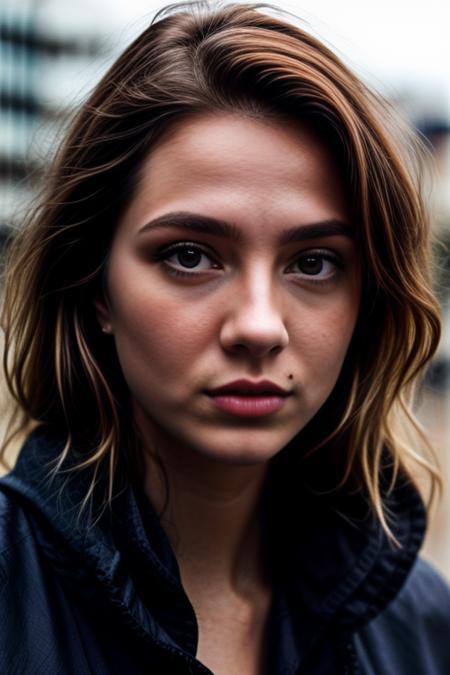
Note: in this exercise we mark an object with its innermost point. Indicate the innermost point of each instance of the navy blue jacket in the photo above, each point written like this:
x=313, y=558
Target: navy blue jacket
x=81, y=597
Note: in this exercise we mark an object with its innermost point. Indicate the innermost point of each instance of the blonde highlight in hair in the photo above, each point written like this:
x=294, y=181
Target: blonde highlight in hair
x=195, y=60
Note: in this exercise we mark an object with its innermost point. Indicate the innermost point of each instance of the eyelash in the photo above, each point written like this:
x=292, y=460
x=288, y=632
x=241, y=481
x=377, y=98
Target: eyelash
x=163, y=254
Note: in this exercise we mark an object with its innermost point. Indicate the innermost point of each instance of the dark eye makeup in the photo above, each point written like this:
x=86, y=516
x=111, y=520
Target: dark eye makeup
x=319, y=264
x=190, y=259
x=189, y=254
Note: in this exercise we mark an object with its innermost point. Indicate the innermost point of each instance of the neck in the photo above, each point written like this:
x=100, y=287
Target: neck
x=211, y=514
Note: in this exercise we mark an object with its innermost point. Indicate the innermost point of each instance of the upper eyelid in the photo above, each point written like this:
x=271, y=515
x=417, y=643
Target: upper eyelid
x=318, y=250
x=166, y=250
x=205, y=248
x=185, y=244
x=326, y=253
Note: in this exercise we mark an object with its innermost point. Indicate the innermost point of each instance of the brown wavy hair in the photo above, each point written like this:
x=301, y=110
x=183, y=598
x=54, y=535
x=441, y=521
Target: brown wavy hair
x=231, y=58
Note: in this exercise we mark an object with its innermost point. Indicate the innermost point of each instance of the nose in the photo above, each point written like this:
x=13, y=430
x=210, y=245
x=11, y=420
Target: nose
x=254, y=324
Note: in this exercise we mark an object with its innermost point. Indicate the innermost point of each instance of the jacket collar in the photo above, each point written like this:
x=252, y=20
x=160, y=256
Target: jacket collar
x=327, y=552
x=118, y=555
x=339, y=566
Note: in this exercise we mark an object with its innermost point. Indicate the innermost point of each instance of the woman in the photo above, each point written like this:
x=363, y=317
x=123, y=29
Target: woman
x=212, y=324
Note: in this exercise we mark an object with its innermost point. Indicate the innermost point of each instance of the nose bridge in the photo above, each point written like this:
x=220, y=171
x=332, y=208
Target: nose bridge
x=258, y=293
x=255, y=320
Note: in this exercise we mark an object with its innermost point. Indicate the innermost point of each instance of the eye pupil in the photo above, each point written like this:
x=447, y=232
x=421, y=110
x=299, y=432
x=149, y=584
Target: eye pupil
x=189, y=257
x=311, y=264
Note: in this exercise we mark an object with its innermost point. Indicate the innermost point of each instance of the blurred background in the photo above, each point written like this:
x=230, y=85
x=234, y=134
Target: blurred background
x=52, y=53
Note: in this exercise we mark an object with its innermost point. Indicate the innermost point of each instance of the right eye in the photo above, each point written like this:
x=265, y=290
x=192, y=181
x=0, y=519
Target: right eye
x=184, y=256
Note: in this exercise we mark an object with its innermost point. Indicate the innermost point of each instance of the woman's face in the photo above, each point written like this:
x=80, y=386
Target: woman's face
x=235, y=260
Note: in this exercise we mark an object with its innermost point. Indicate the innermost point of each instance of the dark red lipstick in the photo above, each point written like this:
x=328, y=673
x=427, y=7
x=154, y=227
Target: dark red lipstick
x=245, y=398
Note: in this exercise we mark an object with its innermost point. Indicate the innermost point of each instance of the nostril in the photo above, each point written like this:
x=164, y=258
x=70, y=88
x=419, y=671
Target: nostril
x=255, y=330
x=254, y=349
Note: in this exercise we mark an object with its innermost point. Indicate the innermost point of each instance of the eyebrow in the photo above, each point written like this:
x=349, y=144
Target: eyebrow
x=222, y=228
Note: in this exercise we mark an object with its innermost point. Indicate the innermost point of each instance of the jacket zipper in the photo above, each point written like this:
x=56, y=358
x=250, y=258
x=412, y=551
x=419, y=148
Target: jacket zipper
x=351, y=660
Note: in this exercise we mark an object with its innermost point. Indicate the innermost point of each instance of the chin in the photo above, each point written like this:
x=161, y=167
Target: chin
x=243, y=455
x=242, y=459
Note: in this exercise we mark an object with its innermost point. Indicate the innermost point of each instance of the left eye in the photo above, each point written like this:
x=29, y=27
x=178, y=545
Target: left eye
x=315, y=264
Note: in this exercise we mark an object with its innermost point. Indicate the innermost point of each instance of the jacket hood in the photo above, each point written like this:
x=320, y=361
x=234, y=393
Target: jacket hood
x=117, y=556
x=327, y=551
x=343, y=569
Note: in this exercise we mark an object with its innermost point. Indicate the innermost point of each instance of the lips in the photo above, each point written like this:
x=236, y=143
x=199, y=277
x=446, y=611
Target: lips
x=244, y=398
x=249, y=388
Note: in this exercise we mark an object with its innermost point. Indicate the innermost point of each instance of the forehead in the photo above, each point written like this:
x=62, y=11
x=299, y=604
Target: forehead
x=240, y=169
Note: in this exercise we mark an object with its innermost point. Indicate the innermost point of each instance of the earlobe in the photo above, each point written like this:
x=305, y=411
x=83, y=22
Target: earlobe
x=103, y=316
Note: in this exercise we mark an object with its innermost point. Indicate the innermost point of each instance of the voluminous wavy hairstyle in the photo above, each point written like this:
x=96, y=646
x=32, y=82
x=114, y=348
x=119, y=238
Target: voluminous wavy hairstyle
x=230, y=58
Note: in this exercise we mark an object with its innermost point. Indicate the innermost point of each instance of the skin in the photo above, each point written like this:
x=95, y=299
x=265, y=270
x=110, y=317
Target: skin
x=254, y=309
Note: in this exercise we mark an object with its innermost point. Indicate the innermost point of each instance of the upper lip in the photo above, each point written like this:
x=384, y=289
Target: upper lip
x=248, y=387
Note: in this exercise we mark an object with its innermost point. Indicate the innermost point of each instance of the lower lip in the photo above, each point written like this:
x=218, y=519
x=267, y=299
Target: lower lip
x=249, y=406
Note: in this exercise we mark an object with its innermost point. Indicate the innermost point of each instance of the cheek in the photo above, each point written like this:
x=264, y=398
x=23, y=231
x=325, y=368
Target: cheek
x=159, y=336
x=322, y=340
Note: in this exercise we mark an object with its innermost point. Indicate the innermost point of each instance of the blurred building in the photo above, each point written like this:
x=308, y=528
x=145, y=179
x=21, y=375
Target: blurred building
x=429, y=111
x=50, y=53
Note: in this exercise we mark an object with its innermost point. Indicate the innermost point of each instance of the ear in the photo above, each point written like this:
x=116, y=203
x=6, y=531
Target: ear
x=103, y=313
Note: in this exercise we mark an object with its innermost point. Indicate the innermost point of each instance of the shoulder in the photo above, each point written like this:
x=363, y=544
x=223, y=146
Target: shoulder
x=28, y=595
x=14, y=525
x=412, y=634
x=423, y=601
x=19, y=550
x=23, y=568
x=426, y=594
